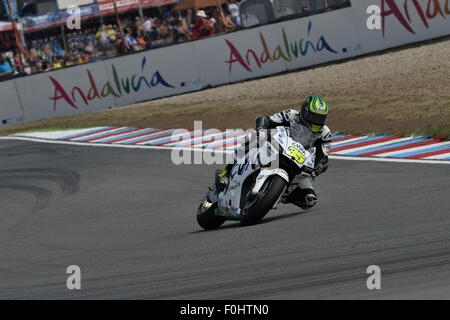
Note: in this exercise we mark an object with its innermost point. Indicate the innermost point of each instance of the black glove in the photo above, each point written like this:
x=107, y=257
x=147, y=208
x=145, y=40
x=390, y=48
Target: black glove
x=321, y=165
x=262, y=122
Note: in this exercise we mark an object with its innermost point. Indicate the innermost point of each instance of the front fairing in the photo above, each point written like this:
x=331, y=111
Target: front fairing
x=294, y=150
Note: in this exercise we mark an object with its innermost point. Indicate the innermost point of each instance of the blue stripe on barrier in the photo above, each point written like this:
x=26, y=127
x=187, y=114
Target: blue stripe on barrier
x=129, y=135
x=202, y=138
x=104, y=134
x=413, y=153
x=340, y=136
x=388, y=146
x=177, y=139
x=222, y=142
x=149, y=136
x=359, y=141
x=85, y=132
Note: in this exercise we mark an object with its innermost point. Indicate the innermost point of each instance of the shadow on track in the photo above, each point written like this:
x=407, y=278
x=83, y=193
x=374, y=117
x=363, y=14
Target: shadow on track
x=236, y=224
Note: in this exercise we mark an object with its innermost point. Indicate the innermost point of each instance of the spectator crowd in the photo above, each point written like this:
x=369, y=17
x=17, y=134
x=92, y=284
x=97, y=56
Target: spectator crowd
x=92, y=44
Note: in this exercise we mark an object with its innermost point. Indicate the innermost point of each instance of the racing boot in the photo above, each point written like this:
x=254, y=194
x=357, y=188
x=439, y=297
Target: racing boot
x=309, y=202
x=303, y=198
x=222, y=177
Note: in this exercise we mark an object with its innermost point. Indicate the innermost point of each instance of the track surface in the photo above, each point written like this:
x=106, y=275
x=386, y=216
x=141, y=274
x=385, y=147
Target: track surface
x=127, y=218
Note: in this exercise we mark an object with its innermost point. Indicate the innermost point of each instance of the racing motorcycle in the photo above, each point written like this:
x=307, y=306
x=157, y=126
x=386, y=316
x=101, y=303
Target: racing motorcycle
x=258, y=181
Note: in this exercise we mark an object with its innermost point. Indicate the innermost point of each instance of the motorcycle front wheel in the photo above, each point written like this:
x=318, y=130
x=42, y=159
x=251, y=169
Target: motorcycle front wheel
x=257, y=206
x=206, y=217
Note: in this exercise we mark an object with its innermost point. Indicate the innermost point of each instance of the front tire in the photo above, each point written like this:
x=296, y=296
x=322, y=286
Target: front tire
x=206, y=217
x=259, y=205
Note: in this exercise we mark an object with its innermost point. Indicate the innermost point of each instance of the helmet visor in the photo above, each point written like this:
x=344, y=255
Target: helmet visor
x=315, y=119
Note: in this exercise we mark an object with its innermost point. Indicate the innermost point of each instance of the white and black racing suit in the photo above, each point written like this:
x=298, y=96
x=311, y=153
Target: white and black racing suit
x=301, y=192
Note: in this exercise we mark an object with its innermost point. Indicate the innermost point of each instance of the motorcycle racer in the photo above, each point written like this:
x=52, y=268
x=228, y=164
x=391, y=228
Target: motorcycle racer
x=307, y=127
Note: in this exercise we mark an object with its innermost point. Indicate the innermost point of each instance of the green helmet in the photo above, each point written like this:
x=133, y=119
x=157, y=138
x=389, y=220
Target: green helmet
x=314, y=113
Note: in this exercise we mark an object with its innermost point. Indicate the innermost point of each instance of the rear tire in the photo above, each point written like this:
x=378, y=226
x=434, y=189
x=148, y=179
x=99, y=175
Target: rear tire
x=263, y=201
x=206, y=217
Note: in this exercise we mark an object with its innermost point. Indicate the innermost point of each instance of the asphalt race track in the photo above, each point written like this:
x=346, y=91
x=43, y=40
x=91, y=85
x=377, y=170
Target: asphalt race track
x=127, y=218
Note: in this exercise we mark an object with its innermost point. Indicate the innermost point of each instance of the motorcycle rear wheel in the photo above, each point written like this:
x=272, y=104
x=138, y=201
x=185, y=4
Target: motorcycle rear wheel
x=259, y=205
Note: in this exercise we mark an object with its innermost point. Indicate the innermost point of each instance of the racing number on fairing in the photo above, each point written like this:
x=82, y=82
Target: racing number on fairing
x=296, y=154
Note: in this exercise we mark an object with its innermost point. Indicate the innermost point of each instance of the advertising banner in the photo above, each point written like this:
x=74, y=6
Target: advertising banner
x=42, y=19
x=64, y=4
x=56, y=17
x=278, y=47
x=240, y=55
x=319, y=39
x=154, y=74
x=400, y=22
x=74, y=90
